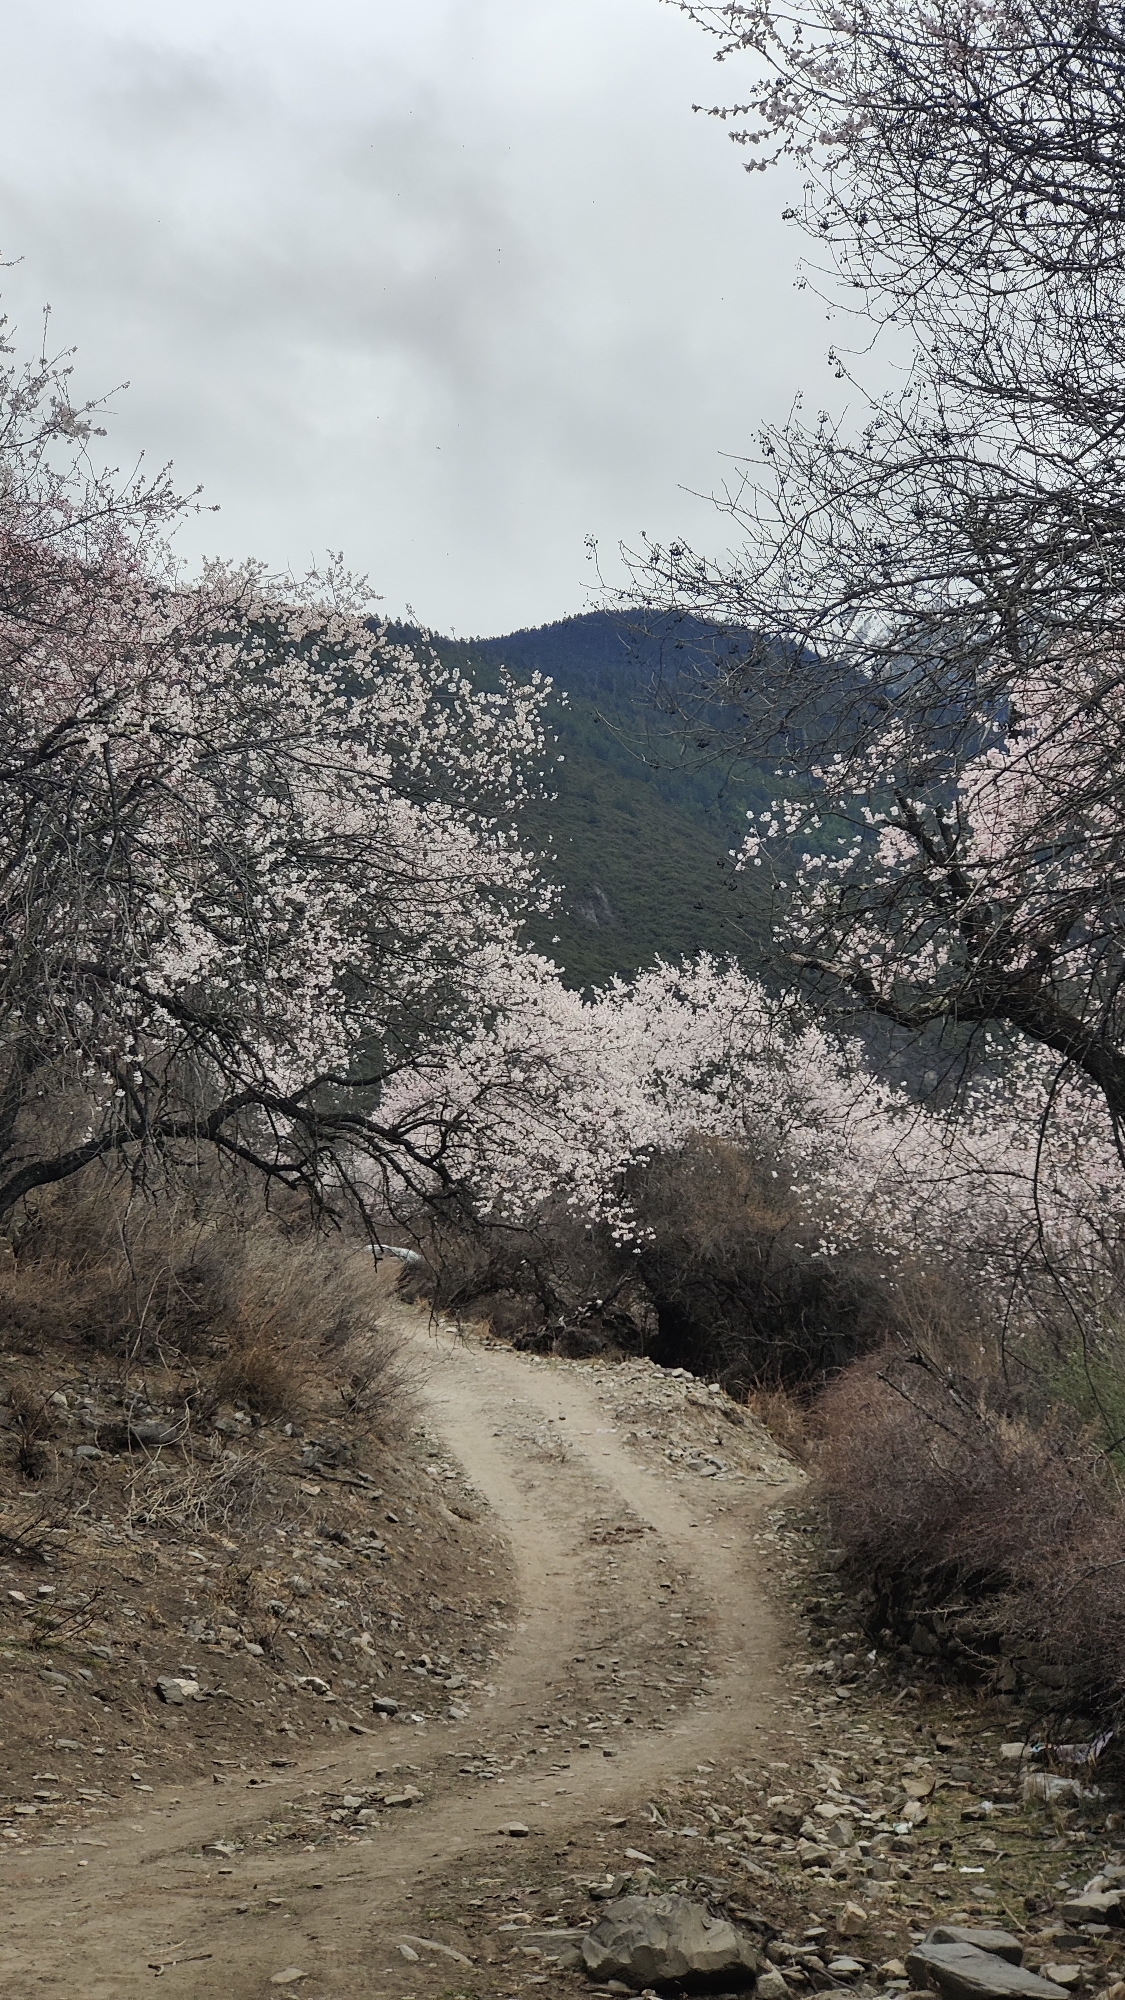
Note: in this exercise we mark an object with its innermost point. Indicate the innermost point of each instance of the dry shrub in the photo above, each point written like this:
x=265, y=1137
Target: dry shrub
x=717, y=1278
x=736, y=1293
x=199, y=1496
x=205, y=1278
x=31, y=1417
x=785, y=1416
x=557, y=1284
x=980, y=1526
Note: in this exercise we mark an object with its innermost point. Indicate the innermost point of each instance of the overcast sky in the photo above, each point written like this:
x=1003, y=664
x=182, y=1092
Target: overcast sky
x=449, y=284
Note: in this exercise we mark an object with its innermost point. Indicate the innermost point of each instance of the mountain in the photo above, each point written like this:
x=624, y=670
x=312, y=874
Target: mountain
x=640, y=829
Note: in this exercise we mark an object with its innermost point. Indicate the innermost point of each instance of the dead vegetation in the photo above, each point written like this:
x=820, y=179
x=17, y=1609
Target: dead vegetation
x=716, y=1277
x=208, y=1439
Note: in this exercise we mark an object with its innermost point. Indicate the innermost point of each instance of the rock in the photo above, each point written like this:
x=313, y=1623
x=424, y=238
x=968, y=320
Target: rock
x=964, y=1973
x=561, y=1949
x=811, y=1855
x=892, y=1968
x=852, y=1920
x=408, y=1797
x=846, y=1968
x=665, y=1940
x=442, y=1950
x=516, y=1829
x=288, y=1977
x=176, y=1689
x=609, y=1891
x=408, y=1952
x=1000, y=1943
x=919, y=1785
x=771, y=1985
x=383, y=1705
x=786, y=1820
x=1096, y=1909
x=1013, y=1753
x=153, y=1434
x=1063, y=1975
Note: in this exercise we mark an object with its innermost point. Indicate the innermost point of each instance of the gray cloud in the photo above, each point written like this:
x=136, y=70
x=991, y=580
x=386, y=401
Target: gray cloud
x=449, y=287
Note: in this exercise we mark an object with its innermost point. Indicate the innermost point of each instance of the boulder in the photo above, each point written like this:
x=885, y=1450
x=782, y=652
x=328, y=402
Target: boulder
x=963, y=1972
x=668, y=1941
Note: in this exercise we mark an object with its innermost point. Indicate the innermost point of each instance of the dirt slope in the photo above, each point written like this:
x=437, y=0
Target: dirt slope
x=640, y=1643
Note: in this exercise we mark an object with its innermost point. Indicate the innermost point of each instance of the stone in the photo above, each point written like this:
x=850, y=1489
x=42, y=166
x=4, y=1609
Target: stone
x=561, y=1949
x=611, y=1890
x=1000, y=1943
x=383, y=1705
x=153, y=1433
x=288, y=1976
x=442, y=1950
x=668, y=1940
x=811, y=1855
x=846, y=1968
x=771, y=1985
x=516, y=1829
x=918, y=1785
x=961, y=1972
x=1104, y=1908
x=1063, y=1975
x=176, y=1689
x=852, y=1920
x=408, y=1952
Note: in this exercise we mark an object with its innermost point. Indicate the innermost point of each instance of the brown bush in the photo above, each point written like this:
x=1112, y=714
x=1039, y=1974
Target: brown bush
x=985, y=1529
x=717, y=1278
x=736, y=1294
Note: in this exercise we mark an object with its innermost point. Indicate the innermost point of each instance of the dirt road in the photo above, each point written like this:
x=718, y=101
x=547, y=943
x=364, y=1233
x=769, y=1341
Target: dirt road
x=641, y=1644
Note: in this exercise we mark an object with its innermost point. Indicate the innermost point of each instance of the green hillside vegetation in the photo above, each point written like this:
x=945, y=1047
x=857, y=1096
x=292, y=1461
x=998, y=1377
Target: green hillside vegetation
x=639, y=830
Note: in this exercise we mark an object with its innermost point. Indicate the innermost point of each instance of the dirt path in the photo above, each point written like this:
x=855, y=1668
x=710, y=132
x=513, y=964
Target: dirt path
x=638, y=1610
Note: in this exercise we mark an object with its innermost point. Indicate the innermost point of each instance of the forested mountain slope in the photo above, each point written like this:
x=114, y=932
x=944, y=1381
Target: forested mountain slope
x=642, y=824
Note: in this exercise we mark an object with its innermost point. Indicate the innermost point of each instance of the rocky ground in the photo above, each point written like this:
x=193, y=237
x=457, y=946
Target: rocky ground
x=434, y=1698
